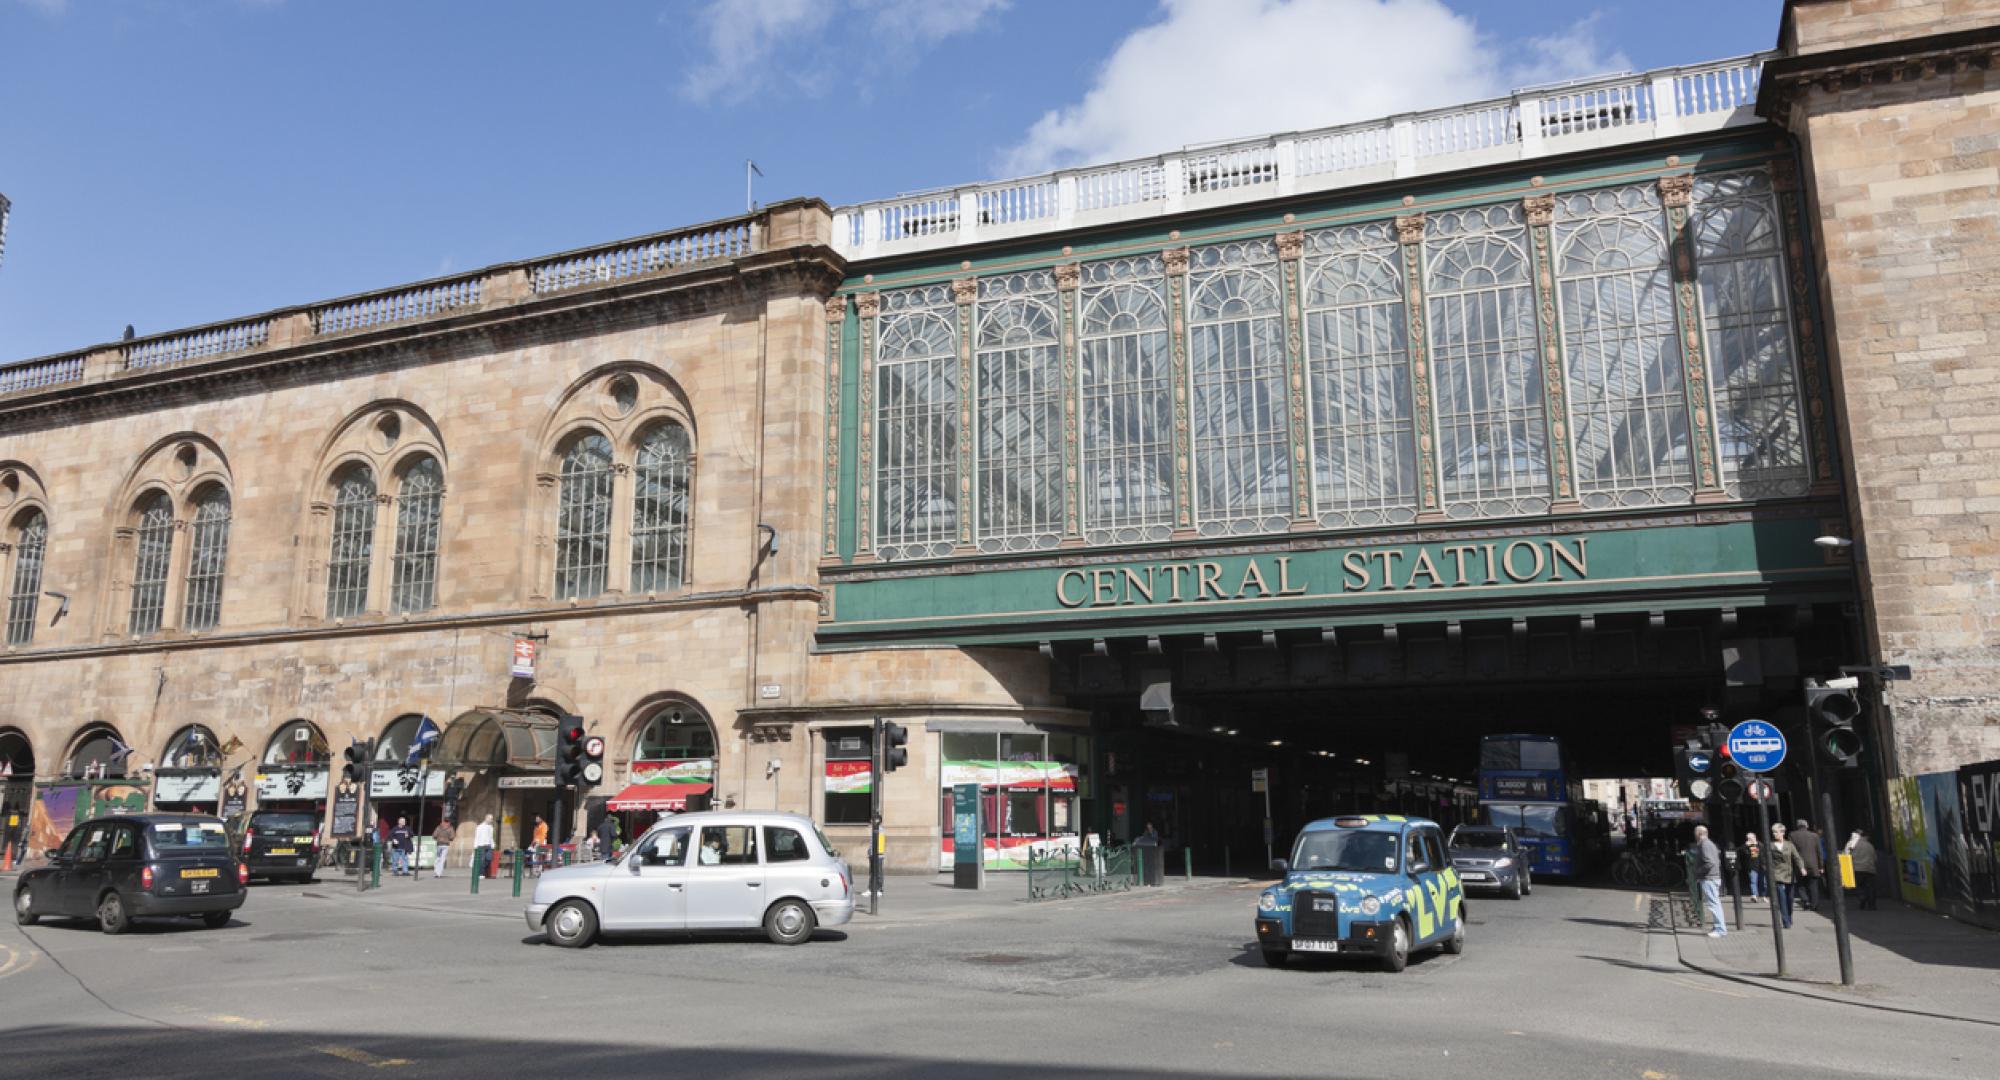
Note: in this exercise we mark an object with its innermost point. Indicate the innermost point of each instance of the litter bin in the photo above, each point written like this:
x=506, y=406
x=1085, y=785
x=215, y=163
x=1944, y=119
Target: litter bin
x=1152, y=863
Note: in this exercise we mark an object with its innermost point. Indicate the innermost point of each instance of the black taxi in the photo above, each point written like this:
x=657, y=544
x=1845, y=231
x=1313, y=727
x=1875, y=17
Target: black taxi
x=130, y=866
x=278, y=844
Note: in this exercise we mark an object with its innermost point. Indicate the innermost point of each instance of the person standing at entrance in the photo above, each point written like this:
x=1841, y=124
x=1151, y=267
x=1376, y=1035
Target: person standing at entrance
x=1863, y=854
x=444, y=834
x=482, y=846
x=1786, y=870
x=1813, y=857
x=400, y=842
x=1708, y=871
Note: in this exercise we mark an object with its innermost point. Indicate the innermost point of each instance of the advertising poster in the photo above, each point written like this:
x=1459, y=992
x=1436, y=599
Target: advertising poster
x=403, y=782
x=235, y=799
x=848, y=778
x=347, y=810
x=59, y=807
x=1911, y=841
x=282, y=785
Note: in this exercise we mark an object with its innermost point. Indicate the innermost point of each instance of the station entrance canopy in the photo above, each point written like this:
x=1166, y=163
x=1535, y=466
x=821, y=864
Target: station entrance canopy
x=490, y=738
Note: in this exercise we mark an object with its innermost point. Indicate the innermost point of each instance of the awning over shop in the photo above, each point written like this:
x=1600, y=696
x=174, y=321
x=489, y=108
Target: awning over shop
x=660, y=797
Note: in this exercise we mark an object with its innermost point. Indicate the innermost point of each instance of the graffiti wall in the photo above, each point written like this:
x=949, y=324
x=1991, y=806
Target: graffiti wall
x=1946, y=840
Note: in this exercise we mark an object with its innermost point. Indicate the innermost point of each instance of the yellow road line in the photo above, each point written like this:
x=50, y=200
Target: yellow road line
x=361, y=1057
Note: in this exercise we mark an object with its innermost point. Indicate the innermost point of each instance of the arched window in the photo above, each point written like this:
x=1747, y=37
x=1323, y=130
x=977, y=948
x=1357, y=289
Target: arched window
x=352, y=544
x=1492, y=437
x=1627, y=399
x=99, y=753
x=1018, y=374
x=192, y=747
x=1126, y=376
x=583, y=518
x=675, y=745
x=1358, y=368
x=419, y=506
x=917, y=424
x=299, y=742
x=31, y=539
x=660, y=510
x=155, y=545
x=1740, y=268
x=1242, y=468
x=208, y=551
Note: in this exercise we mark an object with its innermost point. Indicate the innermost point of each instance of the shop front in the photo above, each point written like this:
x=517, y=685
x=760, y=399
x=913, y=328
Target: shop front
x=672, y=771
x=293, y=775
x=189, y=777
x=1032, y=788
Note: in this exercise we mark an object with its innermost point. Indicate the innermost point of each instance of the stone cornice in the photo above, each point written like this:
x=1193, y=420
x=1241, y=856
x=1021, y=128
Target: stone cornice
x=396, y=624
x=1788, y=80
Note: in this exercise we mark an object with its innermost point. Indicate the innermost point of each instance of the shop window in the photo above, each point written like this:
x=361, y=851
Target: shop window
x=849, y=799
x=784, y=845
x=676, y=746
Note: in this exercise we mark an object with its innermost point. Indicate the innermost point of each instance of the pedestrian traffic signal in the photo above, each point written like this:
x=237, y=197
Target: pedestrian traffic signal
x=894, y=756
x=569, y=752
x=358, y=755
x=1832, y=712
x=592, y=764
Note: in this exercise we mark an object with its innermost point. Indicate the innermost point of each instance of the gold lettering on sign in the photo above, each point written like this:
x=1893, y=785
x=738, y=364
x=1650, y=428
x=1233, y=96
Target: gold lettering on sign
x=1062, y=589
x=1357, y=571
x=1252, y=575
x=1424, y=567
x=1534, y=571
x=1211, y=579
x=1285, y=586
x=1133, y=586
x=1576, y=562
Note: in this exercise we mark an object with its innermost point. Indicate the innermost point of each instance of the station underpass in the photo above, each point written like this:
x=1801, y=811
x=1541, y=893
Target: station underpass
x=1390, y=719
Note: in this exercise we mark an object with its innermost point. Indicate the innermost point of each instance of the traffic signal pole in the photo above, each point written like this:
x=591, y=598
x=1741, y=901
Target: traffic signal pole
x=1837, y=889
x=1764, y=848
x=875, y=819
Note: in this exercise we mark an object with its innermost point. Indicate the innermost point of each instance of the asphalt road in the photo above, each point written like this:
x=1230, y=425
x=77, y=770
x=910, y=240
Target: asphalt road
x=316, y=982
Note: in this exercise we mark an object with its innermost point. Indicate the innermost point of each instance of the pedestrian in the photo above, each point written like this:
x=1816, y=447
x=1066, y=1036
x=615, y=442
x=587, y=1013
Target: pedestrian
x=541, y=843
x=1753, y=852
x=1812, y=856
x=1786, y=871
x=606, y=831
x=400, y=842
x=1863, y=854
x=1708, y=871
x=444, y=834
x=482, y=846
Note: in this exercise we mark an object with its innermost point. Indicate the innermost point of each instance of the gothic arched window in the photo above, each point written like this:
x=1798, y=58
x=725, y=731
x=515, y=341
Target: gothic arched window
x=413, y=576
x=660, y=509
x=31, y=539
x=208, y=551
x=583, y=518
x=152, y=562
x=352, y=542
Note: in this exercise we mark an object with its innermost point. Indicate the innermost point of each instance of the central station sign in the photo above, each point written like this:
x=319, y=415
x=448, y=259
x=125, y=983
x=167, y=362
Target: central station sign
x=1371, y=569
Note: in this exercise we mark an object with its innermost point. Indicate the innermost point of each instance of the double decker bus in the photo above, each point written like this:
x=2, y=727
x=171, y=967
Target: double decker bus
x=1526, y=784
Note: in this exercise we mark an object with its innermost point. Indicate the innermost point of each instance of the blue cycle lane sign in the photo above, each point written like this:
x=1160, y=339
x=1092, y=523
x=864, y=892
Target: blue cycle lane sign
x=1757, y=746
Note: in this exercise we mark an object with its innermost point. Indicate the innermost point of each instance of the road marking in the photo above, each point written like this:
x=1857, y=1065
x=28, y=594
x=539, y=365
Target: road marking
x=17, y=961
x=361, y=1057
x=240, y=1021
x=1692, y=985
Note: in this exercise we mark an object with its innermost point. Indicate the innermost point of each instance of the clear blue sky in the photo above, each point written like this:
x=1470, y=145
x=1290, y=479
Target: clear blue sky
x=173, y=162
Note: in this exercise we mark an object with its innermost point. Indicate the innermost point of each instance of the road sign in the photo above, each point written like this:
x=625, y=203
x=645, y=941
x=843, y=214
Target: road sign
x=1699, y=761
x=1761, y=790
x=1757, y=746
x=1260, y=780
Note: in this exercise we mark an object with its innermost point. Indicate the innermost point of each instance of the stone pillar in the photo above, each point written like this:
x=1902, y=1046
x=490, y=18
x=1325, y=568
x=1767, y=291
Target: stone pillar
x=542, y=561
x=1291, y=252
x=1676, y=193
x=381, y=554
x=1423, y=416
x=836, y=326
x=1176, y=260
x=117, y=606
x=867, y=307
x=1068, y=277
x=618, y=546
x=964, y=293
x=1540, y=211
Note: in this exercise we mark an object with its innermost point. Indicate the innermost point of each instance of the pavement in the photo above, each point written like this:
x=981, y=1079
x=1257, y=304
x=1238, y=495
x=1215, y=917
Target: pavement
x=419, y=978
x=1904, y=958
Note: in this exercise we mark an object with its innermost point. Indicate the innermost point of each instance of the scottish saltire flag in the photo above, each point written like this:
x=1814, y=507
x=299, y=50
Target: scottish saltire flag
x=427, y=733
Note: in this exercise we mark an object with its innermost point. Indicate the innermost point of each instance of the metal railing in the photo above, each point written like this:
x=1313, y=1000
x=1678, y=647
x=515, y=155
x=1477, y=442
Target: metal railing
x=1530, y=123
x=1063, y=872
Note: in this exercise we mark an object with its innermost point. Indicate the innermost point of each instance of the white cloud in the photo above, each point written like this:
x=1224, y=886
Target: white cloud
x=756, y=46
x=1217, y=69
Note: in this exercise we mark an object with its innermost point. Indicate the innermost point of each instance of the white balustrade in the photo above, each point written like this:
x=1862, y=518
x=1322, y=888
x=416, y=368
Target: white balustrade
x=168, y=350
x=1722, y=87
x=37, y=374
x=1227, y=169
x=1463, y=130
x=415, y=302
x=1120, y=185
x=1343, y=149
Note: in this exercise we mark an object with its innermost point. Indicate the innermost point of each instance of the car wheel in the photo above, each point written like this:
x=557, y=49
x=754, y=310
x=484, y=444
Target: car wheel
x=24, y=907
x=1455, y=944
x=571, y=925
x=1274, y=957
x=111, y=916
x=1398, y=956
x=215, y=920
x=789, y=922
x=1527, y=884
x=1515, y=889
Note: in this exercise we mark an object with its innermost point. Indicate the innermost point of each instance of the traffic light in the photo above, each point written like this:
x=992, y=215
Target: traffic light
x=1728, y=777
x=1832, y=712
x=894, y=756
x=569, y=753
x=358, y=755
x=592, y=761
x=1694, y=771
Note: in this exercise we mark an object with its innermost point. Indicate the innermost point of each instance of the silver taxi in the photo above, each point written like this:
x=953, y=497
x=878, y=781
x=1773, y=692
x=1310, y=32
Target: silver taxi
x=713, y=870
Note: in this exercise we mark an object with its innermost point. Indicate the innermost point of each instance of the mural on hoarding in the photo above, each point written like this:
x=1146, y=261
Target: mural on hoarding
x=695, y=771
x=1911, y=840
x=59, y=808
x=1979, y=806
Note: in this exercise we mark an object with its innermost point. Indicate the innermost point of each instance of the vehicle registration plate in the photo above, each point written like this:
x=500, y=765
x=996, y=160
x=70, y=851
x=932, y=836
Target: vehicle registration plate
x=198, y=887
x=284, y=851
x=207, y=872
x=1314, y=945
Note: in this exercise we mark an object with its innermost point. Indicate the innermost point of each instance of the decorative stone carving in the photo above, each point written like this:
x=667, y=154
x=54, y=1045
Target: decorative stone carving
x=1291, y=245
x=1410, y=228
x=836, y=309
x=1176, y=260
x=867, y=304
x=964, y=290
x=1540, y=209
x=1677, y=190
x=1068, y=275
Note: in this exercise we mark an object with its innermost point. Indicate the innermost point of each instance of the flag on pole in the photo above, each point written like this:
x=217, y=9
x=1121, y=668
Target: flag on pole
x=427, y=734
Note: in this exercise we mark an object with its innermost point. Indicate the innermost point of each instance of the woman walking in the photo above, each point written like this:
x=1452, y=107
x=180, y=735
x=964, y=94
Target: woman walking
x=1786, y=871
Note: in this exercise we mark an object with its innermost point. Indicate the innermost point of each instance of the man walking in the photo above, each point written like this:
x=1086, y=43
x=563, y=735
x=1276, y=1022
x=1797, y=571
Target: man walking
x=399, y=846
x=1813, y=858
x=1708, y=871
x=482, y=846
x=1786, y=870
x=444, y=834
x=1863, y=854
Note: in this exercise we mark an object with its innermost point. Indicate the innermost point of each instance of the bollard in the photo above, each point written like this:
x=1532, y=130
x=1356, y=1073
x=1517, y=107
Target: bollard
x=1225, y=864
x=1187, y=864
x=375, y=875
x=1735, y=894
x=478, y=870
x=517, y=872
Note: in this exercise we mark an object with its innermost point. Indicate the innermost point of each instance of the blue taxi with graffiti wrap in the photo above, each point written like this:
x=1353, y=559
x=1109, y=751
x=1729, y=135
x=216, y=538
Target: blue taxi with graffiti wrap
x=1377, y=885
